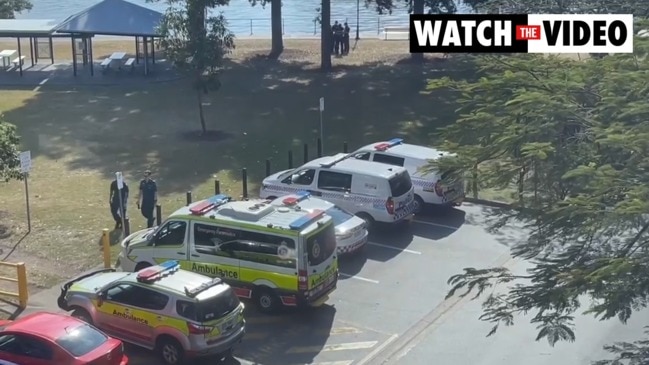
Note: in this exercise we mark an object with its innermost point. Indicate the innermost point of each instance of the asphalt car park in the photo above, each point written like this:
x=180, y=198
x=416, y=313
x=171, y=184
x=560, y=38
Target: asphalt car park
x=382, y=292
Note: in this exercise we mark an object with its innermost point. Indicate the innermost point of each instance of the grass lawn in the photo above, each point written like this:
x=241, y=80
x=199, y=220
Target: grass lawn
x=80, y=136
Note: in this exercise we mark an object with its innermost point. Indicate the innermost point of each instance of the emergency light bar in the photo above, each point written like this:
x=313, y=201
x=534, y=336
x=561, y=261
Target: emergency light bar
x=203, y=287
x=298, y=197
x=209, y=204
x=151, y=273
x=391, y=143
x=336, y=159
x=306, y=220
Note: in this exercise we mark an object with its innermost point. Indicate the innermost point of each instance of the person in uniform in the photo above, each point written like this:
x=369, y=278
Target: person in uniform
x=346, y=39
x=148, y=198
x=113, y=200
x=336, y=36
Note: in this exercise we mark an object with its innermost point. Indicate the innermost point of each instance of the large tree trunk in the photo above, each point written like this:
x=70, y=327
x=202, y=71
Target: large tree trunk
x=276, y=28
x=418, y=8
x=325, y=37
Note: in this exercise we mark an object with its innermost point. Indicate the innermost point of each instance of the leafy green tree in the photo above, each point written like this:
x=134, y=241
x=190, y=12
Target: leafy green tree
x=9, y=144
x=9, y=8
x=197, y=44
x=276, y=25
x=572, y=136
x=639, y=8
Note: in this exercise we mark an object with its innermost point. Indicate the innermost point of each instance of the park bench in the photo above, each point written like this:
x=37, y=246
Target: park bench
x=18, y=60
x=396, y=31
x=106, y=63
x=130, y=63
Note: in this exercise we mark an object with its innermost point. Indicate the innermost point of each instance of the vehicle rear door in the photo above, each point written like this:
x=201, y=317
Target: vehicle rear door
x=23, y=349
x=212, y=251
x=170, y=241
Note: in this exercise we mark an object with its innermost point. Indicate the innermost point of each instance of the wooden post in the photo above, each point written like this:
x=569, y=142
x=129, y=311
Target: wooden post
x=217, y=187
x=189, y=197
x=158, y=214
x=244, y=182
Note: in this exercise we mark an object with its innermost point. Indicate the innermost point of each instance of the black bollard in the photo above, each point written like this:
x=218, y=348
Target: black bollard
x=345, y=147
x=319, y=147
x=290, y=159
x=217, y=187
x=267, y=167
x=158, y=214
x=244, y=182
x=306, y=153
x=189, y=197
x=127, y=227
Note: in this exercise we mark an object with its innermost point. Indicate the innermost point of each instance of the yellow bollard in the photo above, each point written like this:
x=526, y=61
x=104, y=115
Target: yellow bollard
x=105, y=244
x=23, y=293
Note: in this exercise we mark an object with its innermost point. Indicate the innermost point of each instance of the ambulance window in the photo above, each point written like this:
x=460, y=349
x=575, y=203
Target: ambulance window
x=268, y=249
x=212, y=236
x=362, y=156
x=335, y=181
x=149, y=299
x=171, y=234
x=391, y=160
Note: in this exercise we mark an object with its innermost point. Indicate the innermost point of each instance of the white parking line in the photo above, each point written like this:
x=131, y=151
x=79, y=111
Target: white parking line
x=357, y=277
x=395, y=248
x=332, y=347
x=436, y=224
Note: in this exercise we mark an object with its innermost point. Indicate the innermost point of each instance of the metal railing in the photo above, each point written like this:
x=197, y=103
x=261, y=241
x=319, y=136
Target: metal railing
x=262, y=26
x=21, y=279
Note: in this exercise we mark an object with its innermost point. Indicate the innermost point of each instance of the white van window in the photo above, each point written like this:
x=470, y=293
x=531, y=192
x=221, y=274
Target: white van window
x=300, y=177
x=391, y=160
x=335, y=181
x=171, y=234
x=400, y=184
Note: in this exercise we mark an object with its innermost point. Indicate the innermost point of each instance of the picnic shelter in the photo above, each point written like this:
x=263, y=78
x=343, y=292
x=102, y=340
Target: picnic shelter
x=40, y=33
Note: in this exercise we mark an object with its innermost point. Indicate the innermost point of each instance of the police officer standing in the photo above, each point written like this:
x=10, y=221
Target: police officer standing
x=147, y=198
x=346, y=39
x=336, y=34
x=114, y=201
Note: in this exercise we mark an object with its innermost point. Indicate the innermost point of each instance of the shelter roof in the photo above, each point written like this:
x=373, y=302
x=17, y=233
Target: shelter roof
x=27, y=27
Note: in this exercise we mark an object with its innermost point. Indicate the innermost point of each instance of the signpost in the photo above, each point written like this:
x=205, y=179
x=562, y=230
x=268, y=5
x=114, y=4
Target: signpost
x=25, y=167
x=321, y=132
x=120, y=185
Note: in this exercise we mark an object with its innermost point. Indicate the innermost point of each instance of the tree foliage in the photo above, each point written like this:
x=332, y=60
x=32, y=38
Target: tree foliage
x=572, y=136
x=277, y=40
x=9, y=144
x=9, y=8
x=639, y=8
x=431, y=6
x=196, y=43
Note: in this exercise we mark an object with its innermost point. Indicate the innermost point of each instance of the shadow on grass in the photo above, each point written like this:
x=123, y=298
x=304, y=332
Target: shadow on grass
x=265, y=108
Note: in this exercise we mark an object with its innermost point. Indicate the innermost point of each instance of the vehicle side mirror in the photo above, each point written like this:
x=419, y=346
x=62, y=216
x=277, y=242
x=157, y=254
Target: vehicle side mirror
x=101, y=297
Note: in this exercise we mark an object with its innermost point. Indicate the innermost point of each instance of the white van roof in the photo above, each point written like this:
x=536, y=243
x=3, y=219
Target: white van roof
x=408, y=150
x=342, y=163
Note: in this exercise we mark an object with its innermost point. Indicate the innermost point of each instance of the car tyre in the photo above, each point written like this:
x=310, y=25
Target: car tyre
x=82, y=314
x=271, y=198
x=419, y=206
x=142, y=265
x=266, y=300
x=369, y=221
x=170, y=351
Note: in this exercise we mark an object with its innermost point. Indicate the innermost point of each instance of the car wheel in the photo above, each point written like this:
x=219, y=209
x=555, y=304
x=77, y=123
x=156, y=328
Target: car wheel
x=369, y=221
x=142, y=265
x=271, y=198
x=170, y=351
x=419, y=204
x=266, y=300
x=82, y=314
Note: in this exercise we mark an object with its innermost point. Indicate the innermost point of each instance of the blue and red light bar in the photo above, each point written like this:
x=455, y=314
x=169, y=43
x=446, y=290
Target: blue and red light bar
x=391, y=143
x=153, y=272
x=209, y=204
x=306, y=220
x=296, y=198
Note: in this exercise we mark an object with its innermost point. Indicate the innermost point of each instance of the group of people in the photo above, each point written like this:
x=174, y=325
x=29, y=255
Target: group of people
x=340, y=36
x=146, y=200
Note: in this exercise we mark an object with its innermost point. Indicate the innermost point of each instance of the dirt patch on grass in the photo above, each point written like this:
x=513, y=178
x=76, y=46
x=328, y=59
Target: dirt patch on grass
x=80, y=136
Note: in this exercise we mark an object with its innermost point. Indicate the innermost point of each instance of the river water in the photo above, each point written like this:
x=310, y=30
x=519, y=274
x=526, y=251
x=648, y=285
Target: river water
x=245, y=20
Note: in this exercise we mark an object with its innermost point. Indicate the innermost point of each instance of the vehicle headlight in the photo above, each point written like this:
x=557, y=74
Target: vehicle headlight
x=343, y=235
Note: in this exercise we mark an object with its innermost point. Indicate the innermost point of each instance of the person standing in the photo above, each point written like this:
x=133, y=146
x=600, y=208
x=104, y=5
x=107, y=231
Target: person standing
x=148, y=198
x=336, y=37
x=113, y=200
x=346, y=39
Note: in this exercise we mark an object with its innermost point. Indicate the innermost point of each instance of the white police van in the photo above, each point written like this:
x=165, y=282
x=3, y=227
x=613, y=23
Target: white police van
x=373, y=191
x=351, y=235
x=429, y=187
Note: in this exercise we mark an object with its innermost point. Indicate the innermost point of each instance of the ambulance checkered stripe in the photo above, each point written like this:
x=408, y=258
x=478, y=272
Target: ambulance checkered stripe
x=351, y=248
x=331, y=195
x=425, y=184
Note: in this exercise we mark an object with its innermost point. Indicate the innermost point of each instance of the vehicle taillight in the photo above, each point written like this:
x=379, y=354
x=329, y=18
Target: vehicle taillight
x=389, y=205
x=302, y=280
x=198, y=330
x=439, y=189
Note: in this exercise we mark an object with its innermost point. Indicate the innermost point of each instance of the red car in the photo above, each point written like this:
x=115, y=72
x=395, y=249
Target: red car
x=47, y=339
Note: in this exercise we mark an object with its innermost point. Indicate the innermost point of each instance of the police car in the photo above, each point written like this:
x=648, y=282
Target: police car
x=373, y=191
x=429, y=187
x=351, y=235
x=179, y=314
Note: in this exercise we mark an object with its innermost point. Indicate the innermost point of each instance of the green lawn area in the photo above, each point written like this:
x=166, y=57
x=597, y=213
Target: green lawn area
x=80, y=136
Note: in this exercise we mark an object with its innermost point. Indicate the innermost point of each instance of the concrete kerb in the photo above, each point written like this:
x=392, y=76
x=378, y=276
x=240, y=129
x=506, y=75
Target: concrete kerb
x=489, y=203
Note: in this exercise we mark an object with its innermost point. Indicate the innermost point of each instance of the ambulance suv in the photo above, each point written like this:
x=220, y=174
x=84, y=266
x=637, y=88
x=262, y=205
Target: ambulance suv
x=351, y=235
x=429, y=187
x=373, y=191
x=272, y=255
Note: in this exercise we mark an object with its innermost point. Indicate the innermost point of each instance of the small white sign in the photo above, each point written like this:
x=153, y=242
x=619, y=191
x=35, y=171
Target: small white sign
x=322, y=104
x=25, y=161
x=120, y=180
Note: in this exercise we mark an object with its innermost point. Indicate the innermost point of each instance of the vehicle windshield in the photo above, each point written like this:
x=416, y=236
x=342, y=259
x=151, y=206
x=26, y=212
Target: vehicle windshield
x=338, y=215
x=217, y=306
x=400, y=184
x=321, y=246
x=81, y=340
